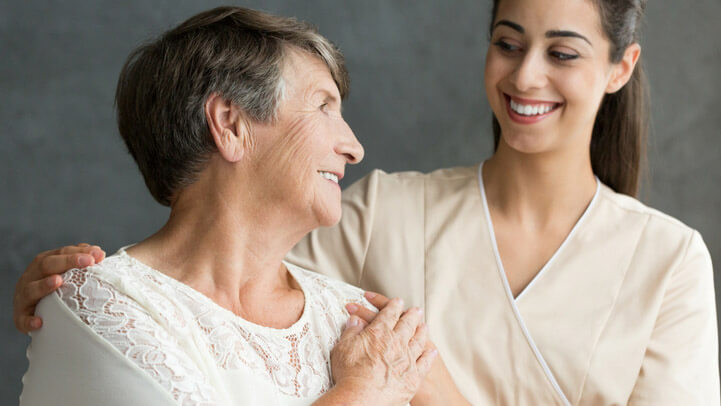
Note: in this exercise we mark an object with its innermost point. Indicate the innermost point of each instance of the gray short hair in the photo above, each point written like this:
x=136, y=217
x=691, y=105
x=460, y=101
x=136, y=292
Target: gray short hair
x=234, y=51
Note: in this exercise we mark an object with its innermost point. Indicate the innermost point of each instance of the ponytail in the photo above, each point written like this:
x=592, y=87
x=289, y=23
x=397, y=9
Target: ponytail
x=618, y=143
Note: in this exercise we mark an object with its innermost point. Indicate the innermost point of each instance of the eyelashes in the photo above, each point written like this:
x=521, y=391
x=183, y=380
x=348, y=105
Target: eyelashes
x=505, y=46
x=562, y=56
x=512, y=49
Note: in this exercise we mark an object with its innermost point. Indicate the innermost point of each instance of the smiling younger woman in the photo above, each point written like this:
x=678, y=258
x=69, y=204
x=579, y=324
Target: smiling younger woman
x=544, y=281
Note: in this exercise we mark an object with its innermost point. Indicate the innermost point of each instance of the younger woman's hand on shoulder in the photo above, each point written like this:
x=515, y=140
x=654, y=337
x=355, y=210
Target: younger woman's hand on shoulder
x=382, y=362
x=42, y=278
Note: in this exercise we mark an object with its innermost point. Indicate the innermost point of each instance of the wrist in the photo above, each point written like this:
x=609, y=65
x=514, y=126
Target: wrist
x=351, y=392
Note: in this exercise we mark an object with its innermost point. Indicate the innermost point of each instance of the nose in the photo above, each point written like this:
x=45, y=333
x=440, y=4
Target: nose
x=348, y=145
x=530, y=72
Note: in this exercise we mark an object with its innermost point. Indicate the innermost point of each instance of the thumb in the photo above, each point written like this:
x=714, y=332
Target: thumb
x=353, y=326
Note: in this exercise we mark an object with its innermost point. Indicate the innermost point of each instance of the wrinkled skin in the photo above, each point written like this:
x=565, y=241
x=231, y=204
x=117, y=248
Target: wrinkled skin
x=387, y=358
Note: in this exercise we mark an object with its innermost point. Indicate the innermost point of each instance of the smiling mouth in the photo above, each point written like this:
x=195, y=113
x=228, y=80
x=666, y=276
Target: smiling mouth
x=330, y=176
x=529, y=111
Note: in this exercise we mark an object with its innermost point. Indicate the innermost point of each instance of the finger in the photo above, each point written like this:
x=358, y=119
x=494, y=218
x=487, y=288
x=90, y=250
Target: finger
x=425, y=361
x=55, y=264
x=36, y=268
x=78, y=249
x=27, y=324
x=27, y=297
x=388, y=317
x=83, y=248
x=417, y=343
x=62, y=250
x=36, y=290
x=364, y=313
x=353, y=326
x=408, y=323
x=98, y=254
x=376, y=299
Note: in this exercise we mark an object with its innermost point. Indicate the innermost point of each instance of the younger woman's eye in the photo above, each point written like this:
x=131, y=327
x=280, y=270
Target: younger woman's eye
x=562, y=56
x=505, y=46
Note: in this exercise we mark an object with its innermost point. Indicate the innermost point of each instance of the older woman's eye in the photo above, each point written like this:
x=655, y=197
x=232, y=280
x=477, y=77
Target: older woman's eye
x=505, y=46
x=563, y=56
x=323, y=107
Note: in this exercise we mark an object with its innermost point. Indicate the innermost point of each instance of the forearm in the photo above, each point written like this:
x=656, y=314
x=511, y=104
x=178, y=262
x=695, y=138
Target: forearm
x=344, y=395
x=439, y=388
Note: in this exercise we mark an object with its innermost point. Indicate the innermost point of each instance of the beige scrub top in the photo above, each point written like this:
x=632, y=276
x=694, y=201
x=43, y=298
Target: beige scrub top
x=623, y=313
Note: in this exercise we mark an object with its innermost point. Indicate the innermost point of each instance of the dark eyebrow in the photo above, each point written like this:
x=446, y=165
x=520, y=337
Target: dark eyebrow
x=549, y=34
x=507, y=23
x=559, y=33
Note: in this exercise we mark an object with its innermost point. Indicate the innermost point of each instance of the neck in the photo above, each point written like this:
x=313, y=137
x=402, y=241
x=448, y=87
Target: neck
x=537, y=188
x=224, y=244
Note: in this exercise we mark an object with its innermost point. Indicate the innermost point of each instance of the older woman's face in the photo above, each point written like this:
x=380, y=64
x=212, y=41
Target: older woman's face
x=302, y=156
x=547, y=69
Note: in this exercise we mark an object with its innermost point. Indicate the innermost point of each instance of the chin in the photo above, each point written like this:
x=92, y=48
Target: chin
x=526, y=143
x=328, y=217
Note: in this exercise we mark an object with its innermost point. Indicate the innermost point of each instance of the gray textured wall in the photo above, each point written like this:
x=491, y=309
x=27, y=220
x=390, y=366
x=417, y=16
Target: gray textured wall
x=417, y=102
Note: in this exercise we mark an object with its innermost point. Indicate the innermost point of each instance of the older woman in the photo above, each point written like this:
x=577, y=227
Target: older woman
x=544, y=281
x=234, y=120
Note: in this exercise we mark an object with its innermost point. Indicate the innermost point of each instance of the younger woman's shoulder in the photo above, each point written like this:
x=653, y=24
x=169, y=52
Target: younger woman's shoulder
x=668, y=234
x=395, y=187
x=633, y=207
x=457, y=172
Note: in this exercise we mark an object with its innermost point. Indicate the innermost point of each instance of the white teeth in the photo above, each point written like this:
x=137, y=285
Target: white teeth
x=530, y=110
x=329, y=176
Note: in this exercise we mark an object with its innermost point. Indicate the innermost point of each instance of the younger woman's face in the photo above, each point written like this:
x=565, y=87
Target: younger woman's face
x=547, y=70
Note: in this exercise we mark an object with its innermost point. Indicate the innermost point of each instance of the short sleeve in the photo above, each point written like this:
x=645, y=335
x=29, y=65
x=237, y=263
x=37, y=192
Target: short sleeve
x=339, y=251
x=680, y=366
x=136, y=333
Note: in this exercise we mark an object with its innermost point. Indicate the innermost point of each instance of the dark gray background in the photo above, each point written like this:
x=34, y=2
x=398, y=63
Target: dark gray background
x=417, y=102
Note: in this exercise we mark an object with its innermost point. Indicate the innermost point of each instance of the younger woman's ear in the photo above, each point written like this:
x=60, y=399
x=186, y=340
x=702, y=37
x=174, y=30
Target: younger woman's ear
x=228, y=127
x=623, y=70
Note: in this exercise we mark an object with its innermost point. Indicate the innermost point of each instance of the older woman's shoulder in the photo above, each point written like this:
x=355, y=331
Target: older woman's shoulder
x=330, y=293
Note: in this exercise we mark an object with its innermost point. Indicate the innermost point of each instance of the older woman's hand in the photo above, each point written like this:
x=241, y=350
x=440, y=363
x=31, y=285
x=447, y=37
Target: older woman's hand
x=385, y=361
x=438, y=387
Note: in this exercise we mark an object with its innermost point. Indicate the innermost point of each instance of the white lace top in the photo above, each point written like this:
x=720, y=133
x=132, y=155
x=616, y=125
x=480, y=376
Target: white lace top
x=200, y=352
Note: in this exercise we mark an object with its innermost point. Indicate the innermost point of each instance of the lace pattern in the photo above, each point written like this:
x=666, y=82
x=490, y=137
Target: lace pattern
x=169, y=330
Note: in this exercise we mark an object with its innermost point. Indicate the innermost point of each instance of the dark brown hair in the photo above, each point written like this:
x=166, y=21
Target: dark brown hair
x=234, y=51
x=618, y=142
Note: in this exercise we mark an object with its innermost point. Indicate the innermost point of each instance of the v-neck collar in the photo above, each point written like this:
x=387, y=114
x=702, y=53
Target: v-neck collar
x=513, y=301
x=550, y=261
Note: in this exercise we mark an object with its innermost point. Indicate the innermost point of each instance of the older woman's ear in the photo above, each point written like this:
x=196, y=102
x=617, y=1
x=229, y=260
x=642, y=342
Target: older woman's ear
x=228, y=126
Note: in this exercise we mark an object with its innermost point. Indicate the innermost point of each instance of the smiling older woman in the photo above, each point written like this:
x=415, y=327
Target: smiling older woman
x=234, y=120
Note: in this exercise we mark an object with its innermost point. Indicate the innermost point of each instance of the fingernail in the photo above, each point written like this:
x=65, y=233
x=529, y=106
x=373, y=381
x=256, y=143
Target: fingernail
x=351, y=307
x=85, y=260
x=352, y=321
x=371, y=295
x=96, y=252
x=35, y=323
x=51, y=281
